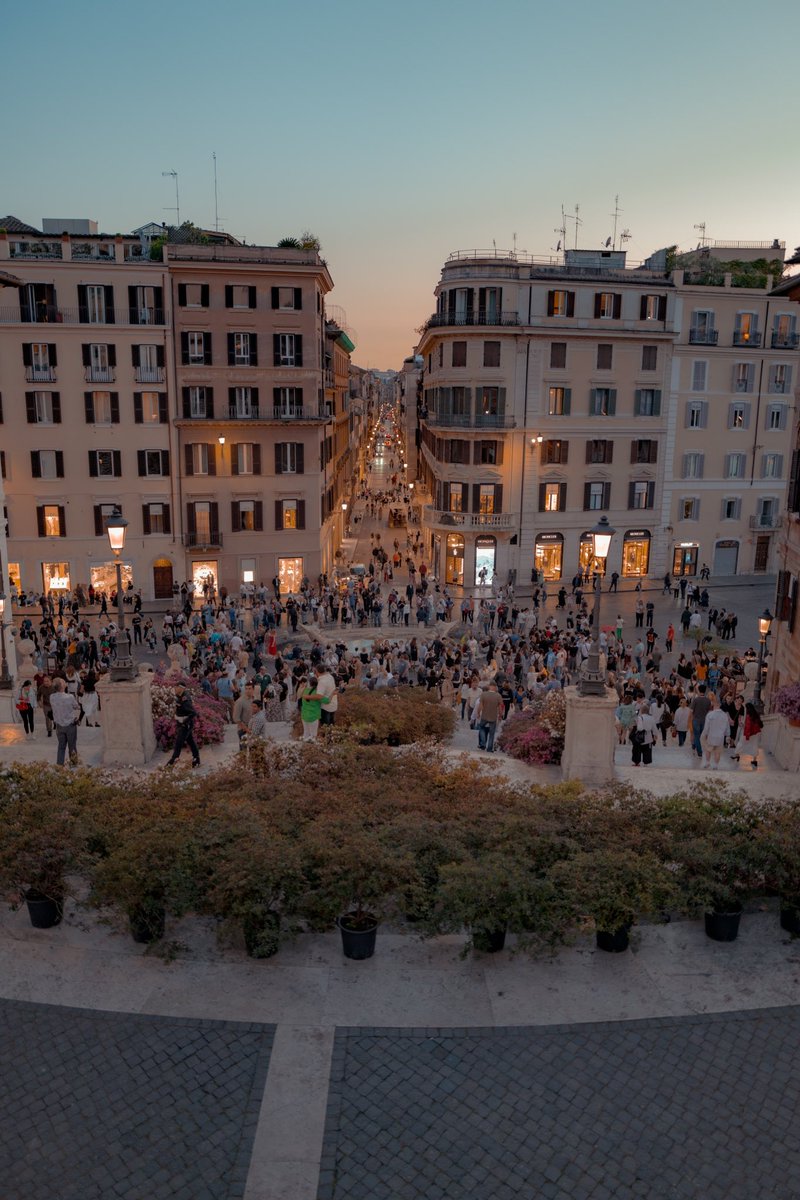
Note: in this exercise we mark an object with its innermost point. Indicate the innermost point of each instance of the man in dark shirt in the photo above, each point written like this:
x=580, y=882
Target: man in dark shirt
x=699, y=708
x=184, y=717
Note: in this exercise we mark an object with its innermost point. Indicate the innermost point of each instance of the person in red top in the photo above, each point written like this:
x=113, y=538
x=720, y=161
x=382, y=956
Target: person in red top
x=669, y=637
x=750, y=735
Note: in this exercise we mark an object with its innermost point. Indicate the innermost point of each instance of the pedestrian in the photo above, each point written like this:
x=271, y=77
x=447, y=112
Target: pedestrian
x=326, y=686
x=699, y=708
x=311, y=702
x=185, y=715
x=650, y=610
x=715, y=730
x=487, y=713
x=669, y=638
x=66, y=714
x=612, y=587
x=643, y=735
x=639, y=613
x=750, y=735
x=26, y=706
x=667, y=584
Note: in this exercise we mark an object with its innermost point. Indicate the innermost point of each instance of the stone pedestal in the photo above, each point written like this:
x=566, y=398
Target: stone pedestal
x=783, y=741
x=127, y=720
x=590, y=737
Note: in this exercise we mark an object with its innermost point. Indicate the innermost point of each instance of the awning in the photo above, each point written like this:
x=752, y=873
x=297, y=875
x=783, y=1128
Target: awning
x=344, y=341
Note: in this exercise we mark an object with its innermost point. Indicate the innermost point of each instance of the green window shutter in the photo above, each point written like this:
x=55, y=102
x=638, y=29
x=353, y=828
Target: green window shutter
x=567, y=401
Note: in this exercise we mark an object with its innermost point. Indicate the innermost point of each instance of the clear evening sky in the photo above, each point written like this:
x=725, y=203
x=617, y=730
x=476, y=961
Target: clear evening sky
x=399, y=132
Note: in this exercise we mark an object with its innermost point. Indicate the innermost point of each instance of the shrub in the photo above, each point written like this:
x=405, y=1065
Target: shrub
x=536, y=735
x=391, y=716
x=209, y=727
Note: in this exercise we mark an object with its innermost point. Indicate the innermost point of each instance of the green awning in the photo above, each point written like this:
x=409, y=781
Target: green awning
x=344, y=341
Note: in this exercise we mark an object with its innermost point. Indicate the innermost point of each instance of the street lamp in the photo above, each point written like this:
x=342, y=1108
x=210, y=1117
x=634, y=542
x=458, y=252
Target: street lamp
x=593, y=681
x=764, y=623
x=124, y=667
x=5, y=678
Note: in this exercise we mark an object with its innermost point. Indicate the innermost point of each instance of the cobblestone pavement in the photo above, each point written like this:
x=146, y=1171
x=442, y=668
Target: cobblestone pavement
x=694, y=1108
x=111, y=1106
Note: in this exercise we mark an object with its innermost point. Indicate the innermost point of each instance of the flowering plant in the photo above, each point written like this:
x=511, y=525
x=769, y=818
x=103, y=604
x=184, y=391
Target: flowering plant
x=536, y=735
x=787, y=701
x=209, y=727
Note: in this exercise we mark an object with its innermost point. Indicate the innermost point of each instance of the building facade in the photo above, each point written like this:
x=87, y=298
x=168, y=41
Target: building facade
x=553, y=392
x=193, y=392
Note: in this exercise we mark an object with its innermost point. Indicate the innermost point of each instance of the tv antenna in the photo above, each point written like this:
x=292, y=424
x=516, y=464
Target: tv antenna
x=216, y=206
x=625, y=236
x=701, y=228
x=562, y=232
x=578, y=221
x=177, y=208
x=615, y=215
x=514, y=240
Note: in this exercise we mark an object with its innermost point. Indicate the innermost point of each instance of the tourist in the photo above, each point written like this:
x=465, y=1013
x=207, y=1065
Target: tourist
x=66, y=714
x=185, y=715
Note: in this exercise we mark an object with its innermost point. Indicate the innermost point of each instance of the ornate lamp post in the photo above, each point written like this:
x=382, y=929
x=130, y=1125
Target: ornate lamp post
x=764, y=623
x=124, y=667
x=5, y=679
x=592, y=682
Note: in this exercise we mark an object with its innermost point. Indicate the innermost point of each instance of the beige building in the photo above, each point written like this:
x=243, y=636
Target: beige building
x=557, y=391
x=204, y=394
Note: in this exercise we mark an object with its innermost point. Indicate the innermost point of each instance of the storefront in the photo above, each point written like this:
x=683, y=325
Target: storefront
x=635, y=553
x=549, y=555
x=485, y=558
x=454, y=559
x=205, y=571
x=684, y=558
x=588, y=563
x=290, y=573
x=103, y=577
x=14, y=580
x=726, y=557
x=55, y=577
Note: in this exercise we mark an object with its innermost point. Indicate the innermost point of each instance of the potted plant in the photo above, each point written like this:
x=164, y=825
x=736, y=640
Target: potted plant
x=611, y=888
x=38, y=841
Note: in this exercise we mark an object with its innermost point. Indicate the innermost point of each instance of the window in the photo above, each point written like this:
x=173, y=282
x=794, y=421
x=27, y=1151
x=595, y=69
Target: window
x=146, y=305
x=644, y=450
x=155, y=518
x=486, y=498
x=51, y=520
x=560, y=304
x=555, y=451
x=780, y=379
x=641, y=493
x=693, y=465
x=771, y=466
x=43, y=408
x=287, y=298
x=290, y=514
x=148, y=362
x=242, y=403
x=699, y=376
x=602, y=402
x=702, y=329
x=605, y=355
x=559, y=399
x=460, y=397
x=200, y=457
x=735, y=465
x=491, y=401
x=243, y=459
x=649, y=358
x=696, y=414
x=193, y=295
x=47, y=464
x=487, y=453
x=647, y=402
x=766, y=511
x=241, y=350
x=39, y=358
x=776, y=416
x=98, y=411
x=731, y=508
x=653, y=308
x=689, y=508
x=195, y=403
x=96, y=304
x=743, y=376
x=247, y=516
x=153, y=462
x=738, y=415
x=288, y=349
x=491, y=354
x=455, y=497
x=599, y=451
x=784, y=331
x=240, y=295
x=288, y=402
x=607, y=305
x=596, y=496
x=746, y=330
x=552, y=497
x=441, y=354
x=103, y=513
x=150, y=408
x=105, y=464
x=459, y=358
x=558, y=355
x=197, y=348
x=289, y=458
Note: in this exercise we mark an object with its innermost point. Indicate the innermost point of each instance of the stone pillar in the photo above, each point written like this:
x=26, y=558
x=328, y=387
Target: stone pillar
x=590, y=737
x=127, y=720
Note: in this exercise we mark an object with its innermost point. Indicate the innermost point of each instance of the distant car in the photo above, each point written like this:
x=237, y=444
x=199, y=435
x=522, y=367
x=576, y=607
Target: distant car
x=358, y=569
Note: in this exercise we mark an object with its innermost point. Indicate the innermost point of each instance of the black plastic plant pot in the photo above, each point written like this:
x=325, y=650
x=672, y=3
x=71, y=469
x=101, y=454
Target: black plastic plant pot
x=614, y=942
x=790, y=917
x=44, y=911
x=146, y=923
x=358, y=935
x=489, y=941
x=724, y=926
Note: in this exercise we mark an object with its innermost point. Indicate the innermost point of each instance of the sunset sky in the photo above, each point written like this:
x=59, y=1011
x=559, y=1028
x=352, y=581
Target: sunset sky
x=401, y=132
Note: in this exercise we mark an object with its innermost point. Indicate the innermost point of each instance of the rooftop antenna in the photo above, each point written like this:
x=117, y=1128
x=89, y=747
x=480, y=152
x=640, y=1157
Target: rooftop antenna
x=494, y=243
x=562, y=232
x=514, y=239
x=177, y=209
x=702, y=230
x=625, y=236
x=616, y=213
x=216, y=206
x=578, y=221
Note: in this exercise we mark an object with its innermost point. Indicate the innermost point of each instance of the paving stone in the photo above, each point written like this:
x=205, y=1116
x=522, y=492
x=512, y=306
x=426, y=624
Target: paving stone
x=691, y=1108
x=96, y=1105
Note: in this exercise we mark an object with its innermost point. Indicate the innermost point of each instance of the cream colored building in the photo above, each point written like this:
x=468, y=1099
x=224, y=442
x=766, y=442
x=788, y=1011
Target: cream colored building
x=557, y=391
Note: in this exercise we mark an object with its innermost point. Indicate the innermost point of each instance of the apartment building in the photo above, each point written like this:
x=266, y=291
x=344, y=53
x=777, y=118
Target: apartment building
x=191, y=392
x=557, y=390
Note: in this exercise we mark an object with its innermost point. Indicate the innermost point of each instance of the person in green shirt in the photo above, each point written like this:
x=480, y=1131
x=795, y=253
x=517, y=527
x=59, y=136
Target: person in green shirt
x=311, y=703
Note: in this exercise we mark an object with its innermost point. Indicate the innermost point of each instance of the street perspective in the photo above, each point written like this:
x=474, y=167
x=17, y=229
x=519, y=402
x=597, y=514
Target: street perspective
x=399, y=631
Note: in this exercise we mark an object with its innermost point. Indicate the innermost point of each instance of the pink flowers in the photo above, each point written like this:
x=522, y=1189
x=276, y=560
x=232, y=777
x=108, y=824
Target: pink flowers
x=209, y=726
x=536, y=735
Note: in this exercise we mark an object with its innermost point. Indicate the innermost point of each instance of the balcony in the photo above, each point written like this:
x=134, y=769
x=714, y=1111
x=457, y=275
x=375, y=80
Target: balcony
x=278, y=414
x=100, y=374
x=479, y=317
x=461, y=520
x=203, y=540
x=746, y=341
x=147, y=316
x=40, y=374
x=766, y=521
x=149, y=374
x=51, y=314
x=469, y=420
x=785, y=341
x=703, y=337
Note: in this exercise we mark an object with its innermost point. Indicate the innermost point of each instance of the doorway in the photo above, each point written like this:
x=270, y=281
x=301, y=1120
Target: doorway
x=162, y=579
x=726, y=557
x=454, y=560
x=762, y=554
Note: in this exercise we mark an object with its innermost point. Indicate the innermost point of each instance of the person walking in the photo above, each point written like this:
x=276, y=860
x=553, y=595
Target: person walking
x=326, y=686
x=643, y=736
x=184, y=717
x=669, y=638
x=26, y=706
x=612, y=587
x=311, y=702
x=700, y=708
x=715, y=730
x=750, y=735
x=487, y=714
x=66, y=713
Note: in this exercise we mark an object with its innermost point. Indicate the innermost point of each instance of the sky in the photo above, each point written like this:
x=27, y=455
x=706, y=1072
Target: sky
x=401, y=132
